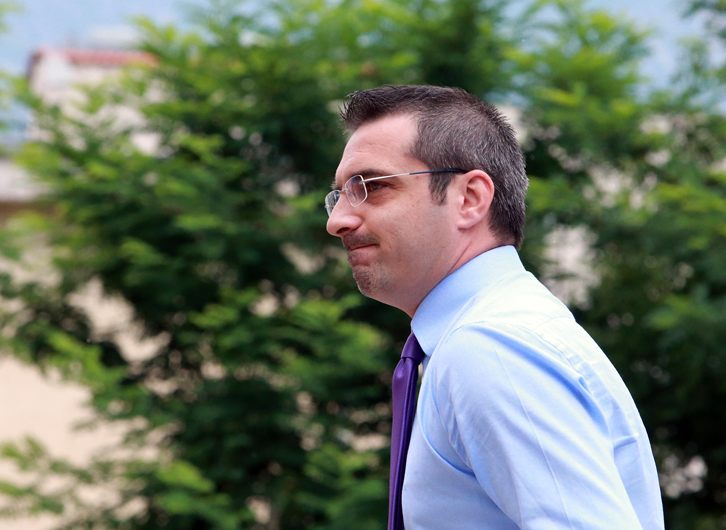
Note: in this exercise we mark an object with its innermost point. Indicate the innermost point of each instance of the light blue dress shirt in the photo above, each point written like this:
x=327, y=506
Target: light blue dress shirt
x=522, y=422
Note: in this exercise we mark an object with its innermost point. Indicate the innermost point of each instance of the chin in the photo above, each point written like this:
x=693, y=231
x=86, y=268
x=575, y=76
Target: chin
x=369, y=283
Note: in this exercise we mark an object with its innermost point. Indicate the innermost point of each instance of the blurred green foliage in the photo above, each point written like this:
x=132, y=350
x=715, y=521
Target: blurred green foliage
x=267, y=398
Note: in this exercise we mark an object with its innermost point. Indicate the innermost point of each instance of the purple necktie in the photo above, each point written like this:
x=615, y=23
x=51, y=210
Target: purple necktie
x=404, y=405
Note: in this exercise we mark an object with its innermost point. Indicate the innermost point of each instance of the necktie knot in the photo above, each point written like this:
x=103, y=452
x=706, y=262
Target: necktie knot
x=412, y=350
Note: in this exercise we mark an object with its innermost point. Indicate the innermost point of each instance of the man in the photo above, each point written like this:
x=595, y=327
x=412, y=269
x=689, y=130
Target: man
x=521, y=422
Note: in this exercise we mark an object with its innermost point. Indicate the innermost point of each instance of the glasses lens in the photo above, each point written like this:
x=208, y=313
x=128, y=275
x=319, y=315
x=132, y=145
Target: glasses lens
x=355, y=188
x=331, y=199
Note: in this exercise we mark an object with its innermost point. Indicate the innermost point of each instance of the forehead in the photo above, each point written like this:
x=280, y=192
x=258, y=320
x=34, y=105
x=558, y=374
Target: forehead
x=384, y=144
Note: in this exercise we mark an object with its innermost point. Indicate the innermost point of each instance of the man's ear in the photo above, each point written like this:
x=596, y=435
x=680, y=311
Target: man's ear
x=476, y=190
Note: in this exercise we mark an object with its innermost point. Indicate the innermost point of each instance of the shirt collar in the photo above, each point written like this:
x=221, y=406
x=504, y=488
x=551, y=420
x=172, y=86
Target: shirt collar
x=445, y=301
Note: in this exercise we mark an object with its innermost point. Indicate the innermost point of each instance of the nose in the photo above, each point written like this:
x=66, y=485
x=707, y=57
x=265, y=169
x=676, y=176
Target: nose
x=344, y=218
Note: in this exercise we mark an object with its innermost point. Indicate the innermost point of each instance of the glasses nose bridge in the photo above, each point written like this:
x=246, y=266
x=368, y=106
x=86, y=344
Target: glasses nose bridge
x=331, y=201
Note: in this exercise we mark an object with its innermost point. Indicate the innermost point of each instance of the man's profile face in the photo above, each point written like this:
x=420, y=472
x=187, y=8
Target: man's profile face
x=399, y=240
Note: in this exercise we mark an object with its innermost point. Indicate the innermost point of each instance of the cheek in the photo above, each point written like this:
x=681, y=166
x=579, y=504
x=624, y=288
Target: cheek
x=435, y=228
x=413, y=234
x=406, y=228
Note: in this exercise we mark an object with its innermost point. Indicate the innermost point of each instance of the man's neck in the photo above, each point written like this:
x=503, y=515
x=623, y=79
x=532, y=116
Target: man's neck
x=468, y=253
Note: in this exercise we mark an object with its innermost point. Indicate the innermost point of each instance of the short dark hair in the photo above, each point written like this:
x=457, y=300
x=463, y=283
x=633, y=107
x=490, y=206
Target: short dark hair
x=455, y=130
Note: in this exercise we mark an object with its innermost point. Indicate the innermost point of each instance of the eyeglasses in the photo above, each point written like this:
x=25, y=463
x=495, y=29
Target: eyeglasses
x=357, y=191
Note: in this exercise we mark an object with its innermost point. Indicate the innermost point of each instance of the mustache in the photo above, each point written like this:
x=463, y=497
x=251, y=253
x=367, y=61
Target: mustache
x=352, y=241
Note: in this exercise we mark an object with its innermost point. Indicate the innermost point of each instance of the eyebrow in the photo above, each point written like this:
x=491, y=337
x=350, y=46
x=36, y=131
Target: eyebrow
x=363, y=173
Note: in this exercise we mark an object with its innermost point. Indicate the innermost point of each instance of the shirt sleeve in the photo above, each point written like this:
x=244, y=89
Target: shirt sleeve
x=527, y=425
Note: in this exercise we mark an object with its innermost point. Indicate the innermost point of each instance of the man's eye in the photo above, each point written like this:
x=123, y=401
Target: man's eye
x=375, y=185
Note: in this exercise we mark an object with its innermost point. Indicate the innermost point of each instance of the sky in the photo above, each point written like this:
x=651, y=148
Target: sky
x=664, y=18
x=52, y=23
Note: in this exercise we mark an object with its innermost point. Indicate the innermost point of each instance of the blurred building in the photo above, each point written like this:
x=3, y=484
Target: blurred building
x=56, y=74
x=58, y=77
x=17, y=189
x=46, y=407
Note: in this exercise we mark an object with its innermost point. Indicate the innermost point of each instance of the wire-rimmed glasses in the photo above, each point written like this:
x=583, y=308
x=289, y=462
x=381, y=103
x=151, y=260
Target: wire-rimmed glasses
x=357, y=191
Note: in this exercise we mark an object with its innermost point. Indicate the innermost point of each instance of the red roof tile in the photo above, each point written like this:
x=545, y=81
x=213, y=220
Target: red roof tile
x=96, y=57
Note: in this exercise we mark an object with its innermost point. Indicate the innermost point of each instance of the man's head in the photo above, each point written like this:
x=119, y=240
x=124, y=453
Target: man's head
x=455, y=130
x=413, y=230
